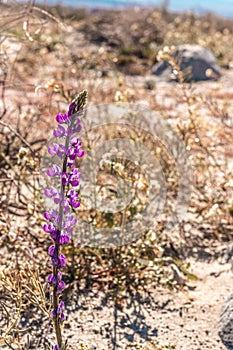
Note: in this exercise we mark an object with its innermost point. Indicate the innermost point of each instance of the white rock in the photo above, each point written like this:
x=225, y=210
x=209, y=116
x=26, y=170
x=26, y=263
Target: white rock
x=199, y=60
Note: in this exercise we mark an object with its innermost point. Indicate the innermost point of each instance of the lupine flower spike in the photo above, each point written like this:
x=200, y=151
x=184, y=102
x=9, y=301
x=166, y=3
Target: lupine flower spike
x=60, y=219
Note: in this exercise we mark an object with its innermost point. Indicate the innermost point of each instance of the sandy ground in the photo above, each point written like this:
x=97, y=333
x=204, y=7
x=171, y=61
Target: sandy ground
x=174, y=320
x=184, y=320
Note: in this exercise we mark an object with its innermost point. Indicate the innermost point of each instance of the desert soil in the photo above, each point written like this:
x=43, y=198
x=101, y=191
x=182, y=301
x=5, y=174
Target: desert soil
x=162, y=319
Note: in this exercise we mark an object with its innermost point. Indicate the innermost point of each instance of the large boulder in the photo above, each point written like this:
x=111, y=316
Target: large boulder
x=226, y=323
x=196, y=62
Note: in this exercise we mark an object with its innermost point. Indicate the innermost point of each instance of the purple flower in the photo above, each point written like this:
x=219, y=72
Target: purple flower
x=65, y=178
x=62, y=118
x=63, y=239
x=74, y=152
x=78, y=126
x=59, y=131
x=47, y=216
x=52, y=216
x=49, y=227
x=52, y=250
x=80, y=154
x=61, y=260
x=70, y=220
x=51, y=279
x=53, y=313
x=60, y=307
x=66, y=206
x=70, y=162
x=71, y=107
x=54, y=234
x=60, y=287
x=55, y=170
x=57, y=197
x=74, y=177
x=56, y=347
x=62, y=318
x=75, y=142
x=50, y=192
x=73, y=197
x=57, y=149
x=71, y=153
x=58, y=311
x=69, y=223
x=53, y=149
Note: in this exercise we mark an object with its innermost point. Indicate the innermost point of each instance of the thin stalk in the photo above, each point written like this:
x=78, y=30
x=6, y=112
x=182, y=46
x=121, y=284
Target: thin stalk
x=76, y=106
x=55, y=299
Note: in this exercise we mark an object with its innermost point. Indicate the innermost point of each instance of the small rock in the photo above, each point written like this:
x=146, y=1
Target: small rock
x=96, y=329
x=226, y=323
x=194, y=58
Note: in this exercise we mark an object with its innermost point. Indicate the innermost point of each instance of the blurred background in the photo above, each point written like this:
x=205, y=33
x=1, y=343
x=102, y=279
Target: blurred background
x=223, y=8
